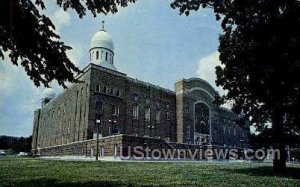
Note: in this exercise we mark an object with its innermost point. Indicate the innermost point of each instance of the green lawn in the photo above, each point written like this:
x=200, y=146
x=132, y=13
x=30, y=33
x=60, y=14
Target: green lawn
x=37, y=172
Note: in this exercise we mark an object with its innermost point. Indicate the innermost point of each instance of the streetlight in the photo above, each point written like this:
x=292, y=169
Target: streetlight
x=112, y=125
x=98, y=122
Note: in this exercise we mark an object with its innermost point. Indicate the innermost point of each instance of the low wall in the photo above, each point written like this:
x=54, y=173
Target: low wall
x=128, y=147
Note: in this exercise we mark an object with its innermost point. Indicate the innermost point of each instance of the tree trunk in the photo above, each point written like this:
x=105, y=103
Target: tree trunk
x=279, y=162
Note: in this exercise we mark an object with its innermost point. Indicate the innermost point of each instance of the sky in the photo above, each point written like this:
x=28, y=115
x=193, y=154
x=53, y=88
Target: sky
x=152, y=42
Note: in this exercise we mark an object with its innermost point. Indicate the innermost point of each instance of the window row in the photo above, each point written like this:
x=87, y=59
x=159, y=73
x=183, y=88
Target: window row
x=115, y=108
x=147, y=117
x=108, y=90
x=135, y=112
x=102, y=55
x=229, y=121
x=230, y=130
x=147, y=101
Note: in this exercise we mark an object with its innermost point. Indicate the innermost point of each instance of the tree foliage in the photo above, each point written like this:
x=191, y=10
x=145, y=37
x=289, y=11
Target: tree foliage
x=30, y=39
x=16, y=144
x=259, y=49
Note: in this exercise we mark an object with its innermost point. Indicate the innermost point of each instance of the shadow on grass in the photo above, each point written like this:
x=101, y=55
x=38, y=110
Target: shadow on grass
x=54, y=182
x=267, y=171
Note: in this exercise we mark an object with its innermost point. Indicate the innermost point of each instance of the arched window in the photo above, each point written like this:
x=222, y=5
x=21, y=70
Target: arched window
x=202, y=118
x=97, y=55
x=106, y=55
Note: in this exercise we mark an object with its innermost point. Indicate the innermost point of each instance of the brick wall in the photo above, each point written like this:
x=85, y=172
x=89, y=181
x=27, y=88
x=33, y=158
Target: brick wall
x=71, y=116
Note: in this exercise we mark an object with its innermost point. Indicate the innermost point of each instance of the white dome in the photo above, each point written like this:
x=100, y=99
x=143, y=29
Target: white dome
x=102, y=39
x=49, y=93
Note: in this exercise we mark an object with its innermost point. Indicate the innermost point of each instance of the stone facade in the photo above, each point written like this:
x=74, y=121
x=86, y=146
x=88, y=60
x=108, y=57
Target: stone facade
x=64, y=119
x=200, y=121
x=114, y=97
x=128, y=106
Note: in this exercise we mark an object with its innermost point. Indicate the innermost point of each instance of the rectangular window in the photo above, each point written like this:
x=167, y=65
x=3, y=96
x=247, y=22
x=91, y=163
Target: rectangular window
x=69, y=127
x=116, y=110
x=116, y=150
x=167, y=115
x=147, y=101
x=136, y=98
x=97, y=88
x=147, y=114
x=108, y=90
x=102, y=151
x=105, y=89
x=99, y=105
x=135, y=111
x=188, y=132
x=168, y=105
x=158, y=104
x=157, y=116
x=117, y=92
x=187, y=110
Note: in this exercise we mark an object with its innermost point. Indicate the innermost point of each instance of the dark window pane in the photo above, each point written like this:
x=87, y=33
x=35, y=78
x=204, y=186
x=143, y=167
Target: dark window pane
x=99, y=105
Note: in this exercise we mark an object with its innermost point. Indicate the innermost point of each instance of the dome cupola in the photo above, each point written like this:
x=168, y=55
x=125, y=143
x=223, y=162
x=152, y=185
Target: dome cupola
x=102, y=49
x=103, y=40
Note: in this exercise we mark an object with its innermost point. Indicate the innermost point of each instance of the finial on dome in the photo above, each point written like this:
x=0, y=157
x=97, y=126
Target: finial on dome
x=103, y=29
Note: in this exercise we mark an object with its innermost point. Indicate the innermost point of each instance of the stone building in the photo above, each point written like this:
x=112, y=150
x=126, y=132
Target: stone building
x=127, y=111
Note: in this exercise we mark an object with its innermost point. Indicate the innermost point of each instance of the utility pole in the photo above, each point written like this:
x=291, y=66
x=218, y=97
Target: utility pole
x=98, y=122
